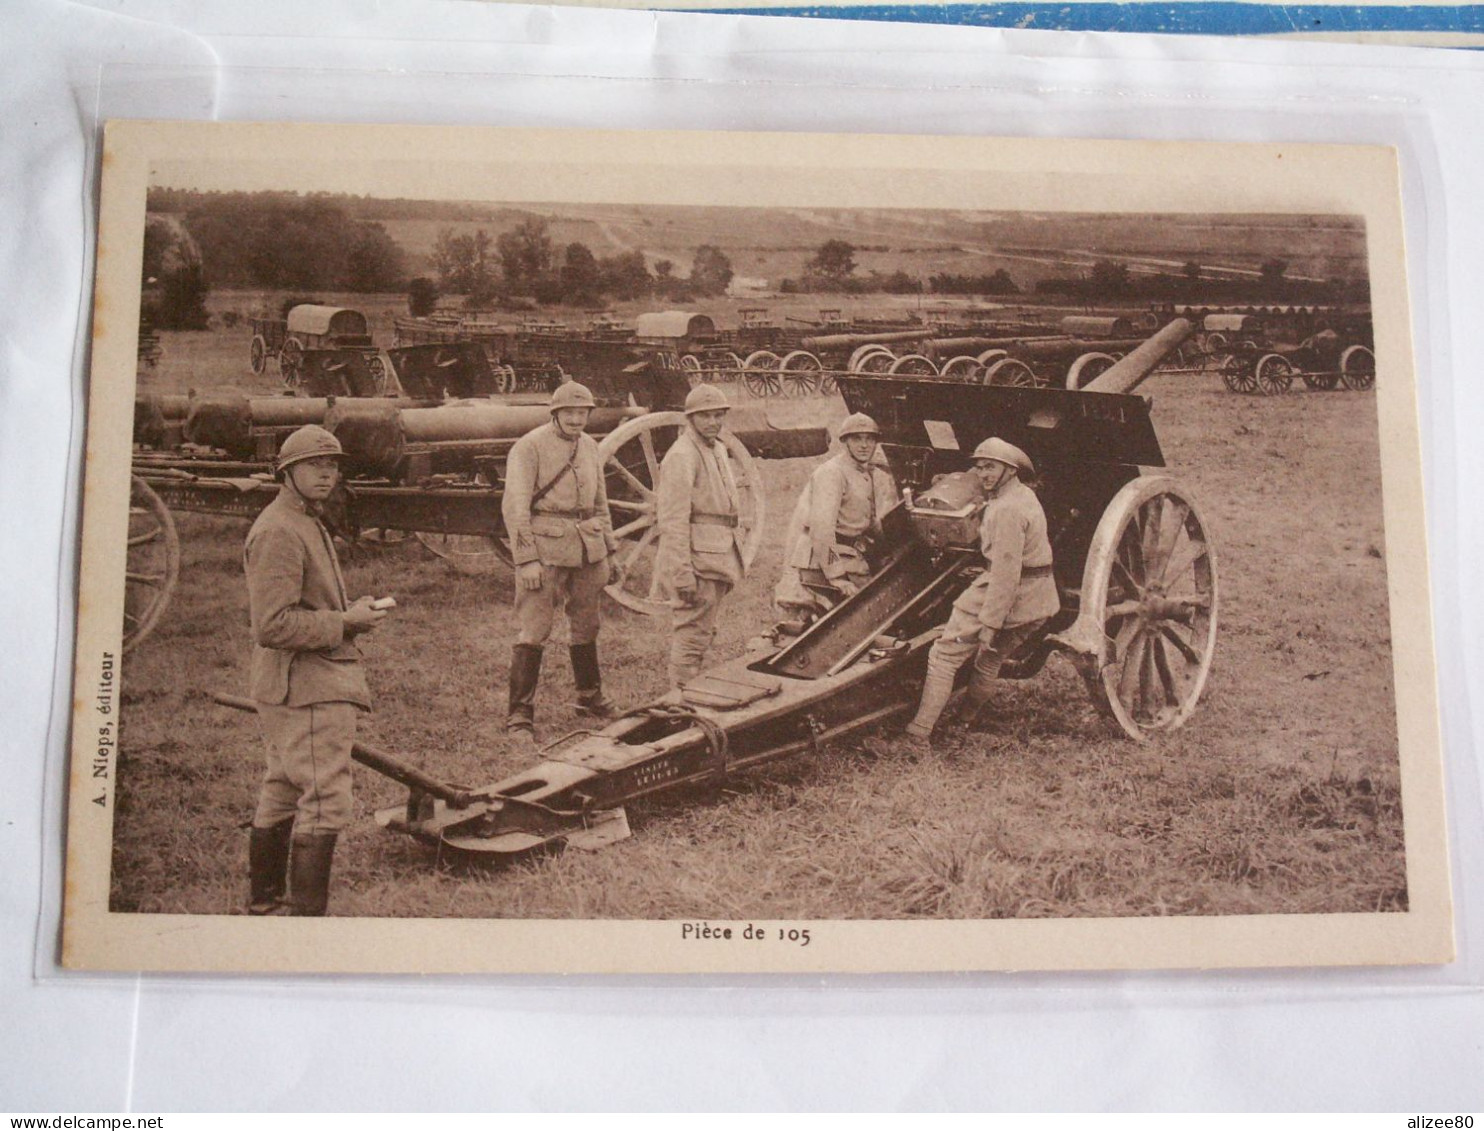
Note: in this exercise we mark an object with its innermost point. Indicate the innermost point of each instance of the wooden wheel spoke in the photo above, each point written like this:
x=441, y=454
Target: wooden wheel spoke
x=629, y=529
x=630, y=505
x=1130, y=575
x=1171, y=526
x=1123, y=609
x=144, y=539
x=635, y=551
x=1191, y=550
x=145, y=578
x=1133, y=664
x=1162, y=669
x=1181, y=645
x=634, y=480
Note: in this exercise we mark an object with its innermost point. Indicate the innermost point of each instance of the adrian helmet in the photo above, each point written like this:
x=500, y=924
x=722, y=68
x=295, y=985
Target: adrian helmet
x=572, y=394
x=706, y=398
x=858, y=424
x=309, y=442
x=1001, y=452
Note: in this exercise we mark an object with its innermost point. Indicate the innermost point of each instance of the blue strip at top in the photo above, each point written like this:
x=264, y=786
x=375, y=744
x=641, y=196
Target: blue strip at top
x=1191, y=18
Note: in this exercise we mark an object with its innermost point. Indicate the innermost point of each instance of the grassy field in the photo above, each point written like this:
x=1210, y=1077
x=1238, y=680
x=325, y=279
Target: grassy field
x=1279, y=796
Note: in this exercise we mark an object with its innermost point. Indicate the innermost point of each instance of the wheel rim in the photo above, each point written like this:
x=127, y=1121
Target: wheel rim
x=1358, y=368
x=1010, y=371
x=961, y=368
x=1236, y=374
x=1151, y=582
x=913, y=365
x=1273, y=374
x=1087, y=368
x=259, y=353
x=877, y=363
x=153, y=564
x=631, y=463
x=861, y=353
x=291, y=363
x=470, y=554
x=800, y=373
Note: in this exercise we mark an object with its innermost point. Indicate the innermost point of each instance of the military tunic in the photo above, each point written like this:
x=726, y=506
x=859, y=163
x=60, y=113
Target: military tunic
x=1003, y=608
x=698, y=513
x=306, y=675
x=567, y=529
x=841, y=505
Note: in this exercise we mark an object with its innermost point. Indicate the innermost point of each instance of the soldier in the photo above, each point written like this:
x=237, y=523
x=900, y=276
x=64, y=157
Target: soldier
x=306, y=680
x=837, y=517
x=556, y=512
x=698, y=513
x=1006, y=605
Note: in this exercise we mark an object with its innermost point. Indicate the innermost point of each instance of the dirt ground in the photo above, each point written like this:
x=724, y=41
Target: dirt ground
x=1280, y=795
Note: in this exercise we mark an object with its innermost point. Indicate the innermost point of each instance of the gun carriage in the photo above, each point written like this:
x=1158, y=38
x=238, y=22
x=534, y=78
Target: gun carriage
x=428, y=463
x=1134, y=563
x=1263, y=351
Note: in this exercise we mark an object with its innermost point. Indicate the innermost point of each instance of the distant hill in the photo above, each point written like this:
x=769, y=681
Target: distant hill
x=774, y=243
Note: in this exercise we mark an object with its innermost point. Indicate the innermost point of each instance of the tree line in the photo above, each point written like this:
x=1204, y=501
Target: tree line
x=526, y=263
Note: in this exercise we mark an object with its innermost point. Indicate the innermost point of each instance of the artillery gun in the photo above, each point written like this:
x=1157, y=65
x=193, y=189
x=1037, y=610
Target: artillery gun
x=431, y=465
x=1134, y=564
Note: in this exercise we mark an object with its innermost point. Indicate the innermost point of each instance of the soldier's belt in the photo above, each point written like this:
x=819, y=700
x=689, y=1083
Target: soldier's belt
x=575, y=516
x=701, y=518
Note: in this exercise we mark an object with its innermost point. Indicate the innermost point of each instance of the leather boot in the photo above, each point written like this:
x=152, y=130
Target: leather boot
x=980, y=691
x=309, y=868
x=936, y=689
x=525, y=674
x=589, y=681
x=268, y=868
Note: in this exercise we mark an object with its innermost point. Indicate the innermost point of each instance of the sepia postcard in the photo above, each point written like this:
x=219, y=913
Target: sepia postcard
x=513, y=551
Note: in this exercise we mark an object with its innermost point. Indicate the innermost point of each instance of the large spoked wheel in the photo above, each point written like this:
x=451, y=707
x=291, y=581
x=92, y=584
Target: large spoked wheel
x=1236, y=373
x=291, y=363
x=470, y=554
x=860, y=353
x=962, y=368
x=1010, y=371
x=877, y=363
x=762, y=378
x=379, y=366
x=1358, y=368
x=153, y=563
x=1321, y=382
x=1087, y=367
x=800, y=370
x=259, y=353
x=692, y=366
x=1150, y=580
x=1273, y=374
x=913, y=365
x=631, y=462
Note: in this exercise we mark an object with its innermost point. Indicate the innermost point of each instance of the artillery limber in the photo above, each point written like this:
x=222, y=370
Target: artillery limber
x=1134, y=564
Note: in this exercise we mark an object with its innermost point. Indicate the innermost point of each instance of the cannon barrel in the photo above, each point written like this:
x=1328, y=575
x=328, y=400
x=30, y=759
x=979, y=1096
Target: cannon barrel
x=487, y=421
x=1125, y=376
x=818, y=342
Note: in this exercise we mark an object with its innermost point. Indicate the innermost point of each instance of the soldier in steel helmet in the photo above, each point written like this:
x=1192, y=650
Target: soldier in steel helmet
x=837, y=516
x=556, y=513
x=698, y=512
x=306, y=680
x=1007, y=604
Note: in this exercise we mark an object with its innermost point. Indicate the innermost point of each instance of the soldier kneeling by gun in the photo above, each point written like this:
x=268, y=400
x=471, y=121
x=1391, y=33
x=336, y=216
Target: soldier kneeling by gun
x=837, y=518
x=1006, y=605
